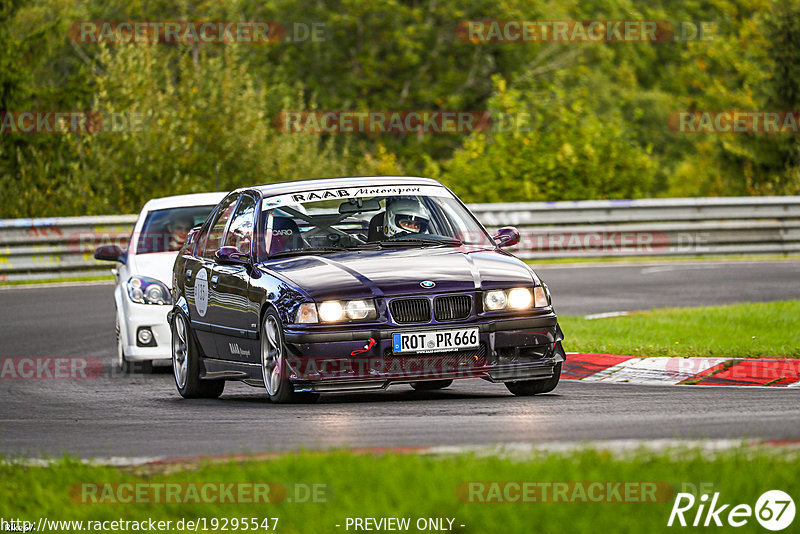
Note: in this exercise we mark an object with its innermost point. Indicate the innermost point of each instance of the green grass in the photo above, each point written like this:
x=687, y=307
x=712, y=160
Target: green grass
x=588, y=258
x=414, y=486
x=750, y=330
x=55, y=280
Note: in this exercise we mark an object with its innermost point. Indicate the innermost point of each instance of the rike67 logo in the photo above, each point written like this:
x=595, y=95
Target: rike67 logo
x=774, y=510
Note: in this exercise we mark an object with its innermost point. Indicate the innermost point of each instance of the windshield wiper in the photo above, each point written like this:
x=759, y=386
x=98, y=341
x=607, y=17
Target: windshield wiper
x=302, y=251
x=451, y=242
x=367, y=245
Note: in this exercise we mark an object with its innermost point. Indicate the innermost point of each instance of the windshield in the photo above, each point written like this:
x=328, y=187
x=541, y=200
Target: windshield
x=166, y=230
x=355, y=218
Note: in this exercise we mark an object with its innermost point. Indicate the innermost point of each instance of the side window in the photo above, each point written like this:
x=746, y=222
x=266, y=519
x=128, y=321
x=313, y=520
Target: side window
x=240, y=231
x=213, y=240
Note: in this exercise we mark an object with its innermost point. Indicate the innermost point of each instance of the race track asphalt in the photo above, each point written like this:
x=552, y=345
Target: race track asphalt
x=119, y=415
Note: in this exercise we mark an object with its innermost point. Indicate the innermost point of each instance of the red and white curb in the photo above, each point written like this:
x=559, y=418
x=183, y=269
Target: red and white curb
x=771, y=372
x=503, y=450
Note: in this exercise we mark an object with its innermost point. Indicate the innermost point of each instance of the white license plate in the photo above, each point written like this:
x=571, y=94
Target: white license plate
x=435, y=341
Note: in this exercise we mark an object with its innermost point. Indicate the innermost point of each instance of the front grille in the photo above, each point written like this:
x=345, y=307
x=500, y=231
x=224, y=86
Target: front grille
x=406, y=311
x=452, y=308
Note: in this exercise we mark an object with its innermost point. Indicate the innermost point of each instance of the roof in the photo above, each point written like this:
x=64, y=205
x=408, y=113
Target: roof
x=281, y=188
x=181, y=201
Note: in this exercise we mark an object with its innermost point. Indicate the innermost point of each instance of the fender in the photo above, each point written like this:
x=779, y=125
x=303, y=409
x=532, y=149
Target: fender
x=181, y=304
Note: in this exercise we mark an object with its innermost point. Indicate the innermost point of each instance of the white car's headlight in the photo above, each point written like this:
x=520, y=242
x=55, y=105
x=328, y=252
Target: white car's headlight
x=332, y=311
x=144, y=290
x=518, y=298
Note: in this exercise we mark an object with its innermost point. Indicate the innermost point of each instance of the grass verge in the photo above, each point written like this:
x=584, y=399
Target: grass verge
x=414, y=486
x=60, y=280
x=661, y=259
x=753, y=330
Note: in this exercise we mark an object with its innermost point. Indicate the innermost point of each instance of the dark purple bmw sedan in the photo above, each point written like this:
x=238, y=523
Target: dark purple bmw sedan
x=349, y=284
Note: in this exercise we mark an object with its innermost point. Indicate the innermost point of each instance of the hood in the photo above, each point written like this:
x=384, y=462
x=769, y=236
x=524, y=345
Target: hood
x=156, y=265
x=358, y=274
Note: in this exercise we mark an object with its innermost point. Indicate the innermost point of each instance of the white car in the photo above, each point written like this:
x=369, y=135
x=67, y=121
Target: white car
x=143, y=277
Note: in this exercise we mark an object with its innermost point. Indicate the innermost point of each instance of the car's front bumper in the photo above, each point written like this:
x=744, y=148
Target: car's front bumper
x=510, y=349
x=153, y=317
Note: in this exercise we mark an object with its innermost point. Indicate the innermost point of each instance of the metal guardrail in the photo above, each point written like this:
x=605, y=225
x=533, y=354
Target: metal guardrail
x=45, y=248
x=651, y=227
x=33, y=249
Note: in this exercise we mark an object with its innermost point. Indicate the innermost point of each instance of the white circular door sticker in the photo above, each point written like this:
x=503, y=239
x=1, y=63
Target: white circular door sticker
x=201, y=292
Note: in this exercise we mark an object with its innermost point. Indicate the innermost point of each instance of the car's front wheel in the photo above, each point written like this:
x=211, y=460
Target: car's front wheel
x=186, y=364
x=526, y=388
x=274, y=368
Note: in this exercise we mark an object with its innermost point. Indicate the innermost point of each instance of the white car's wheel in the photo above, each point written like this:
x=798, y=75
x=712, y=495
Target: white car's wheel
x=122, y=363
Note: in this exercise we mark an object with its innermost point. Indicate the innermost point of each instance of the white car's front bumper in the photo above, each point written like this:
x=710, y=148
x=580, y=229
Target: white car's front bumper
x=135, y=316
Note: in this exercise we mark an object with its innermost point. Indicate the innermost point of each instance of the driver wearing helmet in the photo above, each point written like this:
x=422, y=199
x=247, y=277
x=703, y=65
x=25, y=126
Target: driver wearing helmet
x=405, y=216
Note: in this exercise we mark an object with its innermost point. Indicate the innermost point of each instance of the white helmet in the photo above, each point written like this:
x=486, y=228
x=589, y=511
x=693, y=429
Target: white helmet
x=405, y=216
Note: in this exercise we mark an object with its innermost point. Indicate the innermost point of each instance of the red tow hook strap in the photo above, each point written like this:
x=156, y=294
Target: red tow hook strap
x=366, y=348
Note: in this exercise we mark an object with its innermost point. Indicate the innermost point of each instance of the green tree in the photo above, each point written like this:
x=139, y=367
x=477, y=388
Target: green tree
x=555, y=147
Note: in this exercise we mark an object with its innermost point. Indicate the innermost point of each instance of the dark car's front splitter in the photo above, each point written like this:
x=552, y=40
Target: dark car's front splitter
x=540, y=370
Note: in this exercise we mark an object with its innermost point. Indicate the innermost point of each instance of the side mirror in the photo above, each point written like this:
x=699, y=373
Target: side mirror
x=232, y=256
x=190, y=237
x=108, y=253
x=507, y=236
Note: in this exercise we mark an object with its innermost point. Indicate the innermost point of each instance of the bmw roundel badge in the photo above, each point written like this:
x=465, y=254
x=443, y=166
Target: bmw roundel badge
x=427, y=284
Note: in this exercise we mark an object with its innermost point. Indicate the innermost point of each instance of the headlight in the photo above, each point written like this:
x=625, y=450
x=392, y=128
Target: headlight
x=144, y=290
x=359, y=309
x=332, y=311
x=495, y=300
x=518, y=298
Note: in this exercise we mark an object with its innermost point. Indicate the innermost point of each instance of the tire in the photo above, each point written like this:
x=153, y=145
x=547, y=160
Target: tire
x=526, y=388
x=430, y=385
x=186, y=364
x=125, y=365
x=273, y=364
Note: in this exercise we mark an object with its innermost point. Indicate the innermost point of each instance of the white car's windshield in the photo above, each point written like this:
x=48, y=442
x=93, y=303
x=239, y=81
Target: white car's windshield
x=166, y=229
x=385, y=216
